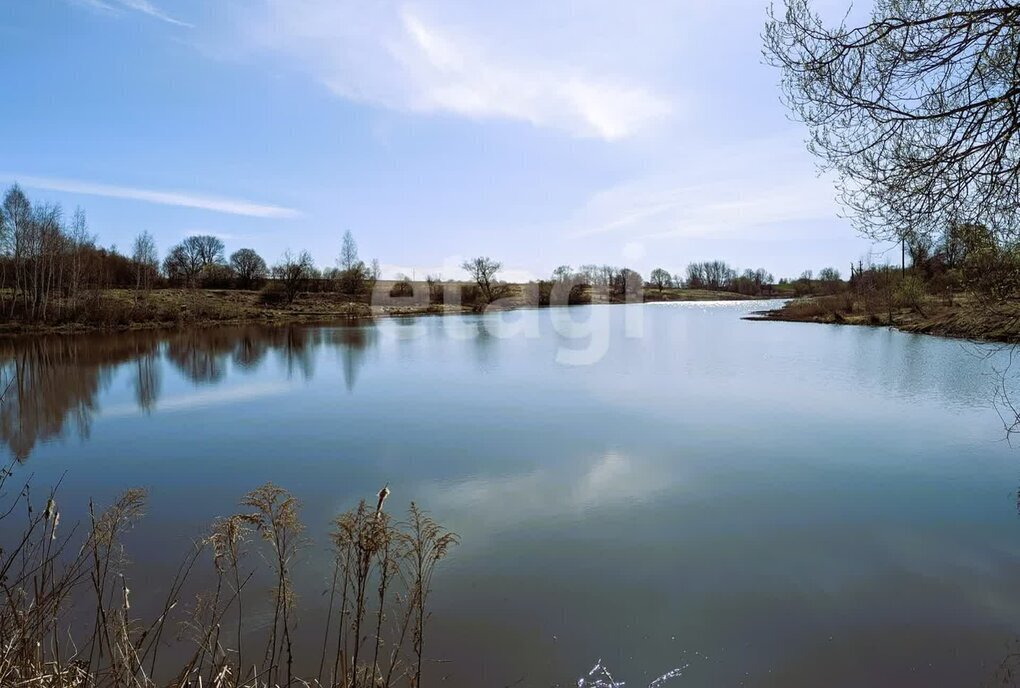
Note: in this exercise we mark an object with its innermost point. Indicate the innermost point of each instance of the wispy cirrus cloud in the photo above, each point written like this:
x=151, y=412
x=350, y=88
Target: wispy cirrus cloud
x=726, y=189
x=398, y=57
x=452, y=76
x=230, y=206
x=141, y=6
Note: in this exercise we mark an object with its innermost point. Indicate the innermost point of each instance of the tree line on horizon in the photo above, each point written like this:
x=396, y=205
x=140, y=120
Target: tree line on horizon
x=48, y=264
x=54, y=270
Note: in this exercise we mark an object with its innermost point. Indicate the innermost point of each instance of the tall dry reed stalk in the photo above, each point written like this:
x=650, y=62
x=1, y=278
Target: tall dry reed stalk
x=378, y=597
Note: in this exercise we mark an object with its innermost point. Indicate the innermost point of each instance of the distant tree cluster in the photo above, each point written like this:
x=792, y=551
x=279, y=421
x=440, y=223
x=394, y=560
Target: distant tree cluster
x=714, y=275
x=195, y=260
x=483, y=271
x=717, y=275
x=249, y=268
x=618, y=281
x=351, y=275
x=52, y=270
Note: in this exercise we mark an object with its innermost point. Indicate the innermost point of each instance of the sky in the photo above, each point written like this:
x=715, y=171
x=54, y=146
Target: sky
x=537, y=132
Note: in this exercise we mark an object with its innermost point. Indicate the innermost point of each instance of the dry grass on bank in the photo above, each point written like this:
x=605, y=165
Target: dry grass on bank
x=964, y=316
x=121, y=309
x=67, y=621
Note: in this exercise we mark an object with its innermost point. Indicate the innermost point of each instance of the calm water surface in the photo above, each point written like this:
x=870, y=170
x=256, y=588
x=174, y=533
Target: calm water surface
x=658, y=485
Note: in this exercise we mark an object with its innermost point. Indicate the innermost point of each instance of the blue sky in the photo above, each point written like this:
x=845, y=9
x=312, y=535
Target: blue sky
x=537, y=132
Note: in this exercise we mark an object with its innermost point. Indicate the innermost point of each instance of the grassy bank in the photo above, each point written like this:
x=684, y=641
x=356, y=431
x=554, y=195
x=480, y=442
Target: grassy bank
x=125, y=309
x=964, y=317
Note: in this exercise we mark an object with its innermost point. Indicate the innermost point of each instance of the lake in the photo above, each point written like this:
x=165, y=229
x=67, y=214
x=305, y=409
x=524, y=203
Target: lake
x=656, y=486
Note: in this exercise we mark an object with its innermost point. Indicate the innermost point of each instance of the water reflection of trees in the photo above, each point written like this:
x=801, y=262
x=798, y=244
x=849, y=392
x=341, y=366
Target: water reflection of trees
x=148, y=380
x=351, y=344
x=55, y=382
x=200, y=355
x=294, y=346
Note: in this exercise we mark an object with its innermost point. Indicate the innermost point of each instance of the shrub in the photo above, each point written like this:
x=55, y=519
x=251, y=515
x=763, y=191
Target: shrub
x=402, y=288
x=820, y=307
x=355, y=309
x=437, y=294
x=355, y=280
x=217, y=277
x=470, y=295
x=910, y=293
x=544, y=290
x=273, y=295
x=945, y=284
x=579, y=294
x=993, y=272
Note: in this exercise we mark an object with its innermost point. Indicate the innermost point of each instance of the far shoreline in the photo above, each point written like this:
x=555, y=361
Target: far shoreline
x=207, y=308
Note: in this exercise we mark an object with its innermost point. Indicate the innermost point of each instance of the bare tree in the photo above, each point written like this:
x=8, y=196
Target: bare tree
x=181, y=266
x=435, y=287
x=483, y=271
x=374, y=275
x=660, y=279
x=914, y=110
x=589, y=274
x=45, y=254
x=627, y=284
x=17, y=215
x=81, y=243
x=146, y=260
x=186, y=261
x=348, y=252
x=828, y=275
x=249, y=267
x=6, y=241
x=293, y=273
x=208, y=250
x=712, y=274
x=353, y=277
x=606, y=274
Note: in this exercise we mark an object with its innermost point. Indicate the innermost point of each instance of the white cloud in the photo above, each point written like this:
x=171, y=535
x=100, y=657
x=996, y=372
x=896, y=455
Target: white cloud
x=452, y=76
x=202, y=399
x=721, y=190
x=395, y=57
x=142, y=6
x=229, y=206
x=609, y=481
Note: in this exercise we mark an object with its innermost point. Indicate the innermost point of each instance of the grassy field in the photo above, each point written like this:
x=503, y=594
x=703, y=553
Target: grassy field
x=965, y=317
x=121, y=309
